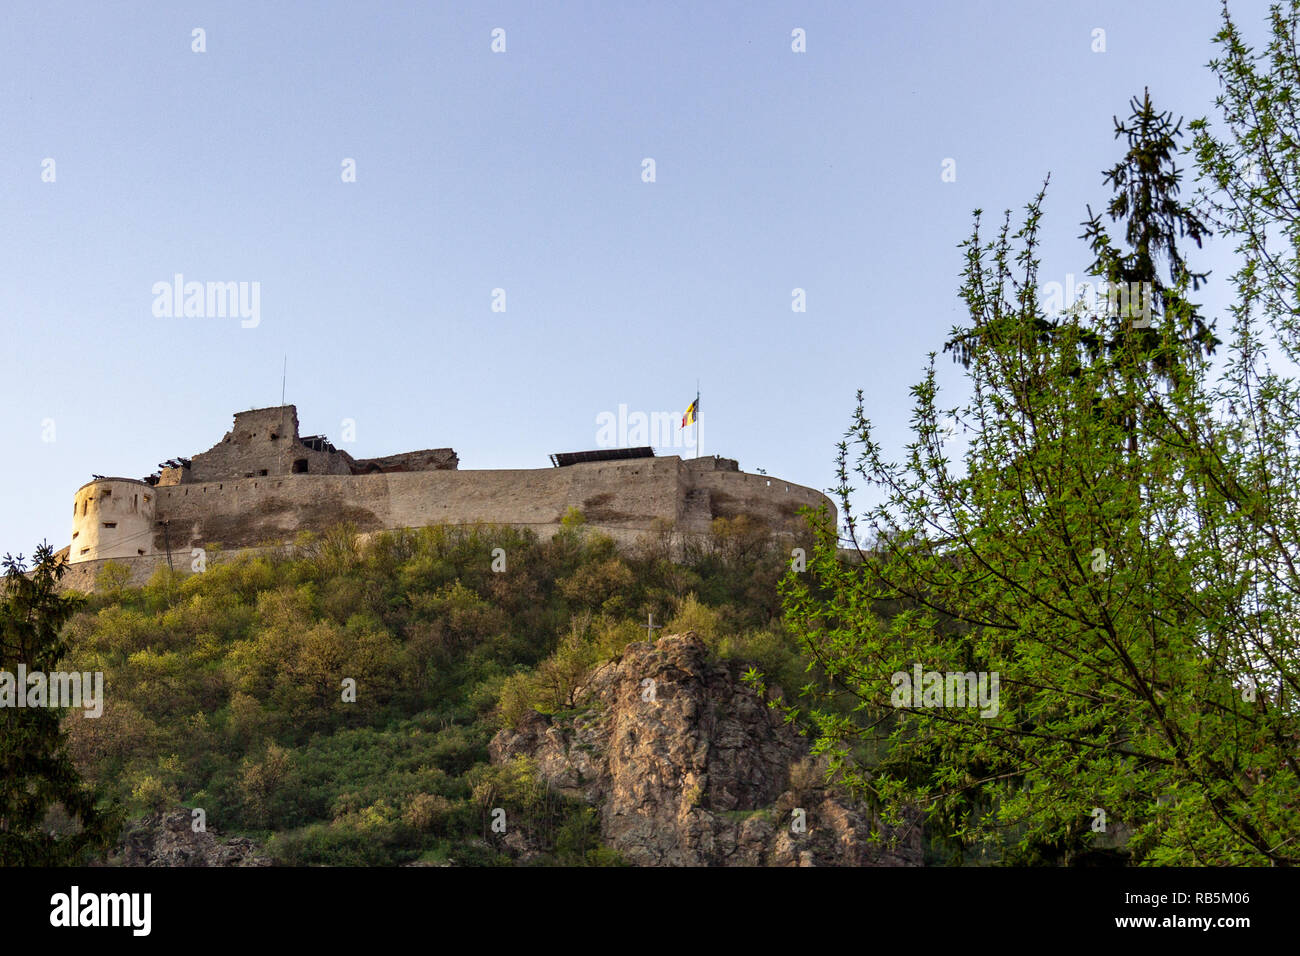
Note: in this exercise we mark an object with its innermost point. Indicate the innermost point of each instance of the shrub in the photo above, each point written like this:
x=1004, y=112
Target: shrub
x=693, y=616
x=427, y=812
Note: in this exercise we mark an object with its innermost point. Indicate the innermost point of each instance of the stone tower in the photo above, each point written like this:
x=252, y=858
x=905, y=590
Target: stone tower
x=112, y=518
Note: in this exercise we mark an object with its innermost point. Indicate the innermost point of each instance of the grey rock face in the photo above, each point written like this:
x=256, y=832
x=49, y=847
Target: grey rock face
x=694, y=769
x=167, y=839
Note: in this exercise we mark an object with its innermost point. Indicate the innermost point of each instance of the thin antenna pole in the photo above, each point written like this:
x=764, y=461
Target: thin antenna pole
x=168, y=539
x=284, y=372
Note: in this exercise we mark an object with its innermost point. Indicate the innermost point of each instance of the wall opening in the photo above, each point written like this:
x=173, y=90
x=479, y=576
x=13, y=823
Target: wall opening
x=139, y=550
x=300, y=466
x=85, y=550
x=110, y=524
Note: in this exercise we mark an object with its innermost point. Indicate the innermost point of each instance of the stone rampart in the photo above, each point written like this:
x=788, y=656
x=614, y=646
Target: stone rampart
x=263, y=484
x=628, y=496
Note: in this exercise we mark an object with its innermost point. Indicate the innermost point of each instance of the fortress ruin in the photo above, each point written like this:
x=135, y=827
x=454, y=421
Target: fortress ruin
x=263, y=483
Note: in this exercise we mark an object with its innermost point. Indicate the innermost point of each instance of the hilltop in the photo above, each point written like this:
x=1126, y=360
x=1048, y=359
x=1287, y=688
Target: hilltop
x=480, y=696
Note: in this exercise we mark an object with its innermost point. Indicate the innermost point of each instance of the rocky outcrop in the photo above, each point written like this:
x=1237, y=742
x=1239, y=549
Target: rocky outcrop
x=168, y=839
x=688, y=767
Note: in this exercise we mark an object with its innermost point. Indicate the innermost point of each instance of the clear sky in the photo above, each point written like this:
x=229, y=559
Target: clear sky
x=523, y=171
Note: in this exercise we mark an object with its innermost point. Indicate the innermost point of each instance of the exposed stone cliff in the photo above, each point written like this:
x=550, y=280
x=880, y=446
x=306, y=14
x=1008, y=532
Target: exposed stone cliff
x=167, y=839
x=694, y=769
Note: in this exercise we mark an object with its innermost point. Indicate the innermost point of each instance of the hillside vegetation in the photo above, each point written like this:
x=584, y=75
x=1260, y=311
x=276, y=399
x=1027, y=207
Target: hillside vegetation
x=226, y=690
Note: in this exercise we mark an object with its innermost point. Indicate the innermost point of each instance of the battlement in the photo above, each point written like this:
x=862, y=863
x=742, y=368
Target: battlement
x=263, y=483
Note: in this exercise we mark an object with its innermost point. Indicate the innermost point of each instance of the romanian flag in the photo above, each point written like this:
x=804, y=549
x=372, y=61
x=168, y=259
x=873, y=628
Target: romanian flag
x=692, y=413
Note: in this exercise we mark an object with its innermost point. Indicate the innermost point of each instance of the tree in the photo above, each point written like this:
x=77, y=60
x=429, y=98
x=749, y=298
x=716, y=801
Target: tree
x=1146, y=318
x=36, y=771
x=1250, y=167
x=1118, y=544
x=1146, y=183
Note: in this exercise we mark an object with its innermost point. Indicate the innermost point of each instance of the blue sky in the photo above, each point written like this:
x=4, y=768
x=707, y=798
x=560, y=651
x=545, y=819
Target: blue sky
x=522, y=171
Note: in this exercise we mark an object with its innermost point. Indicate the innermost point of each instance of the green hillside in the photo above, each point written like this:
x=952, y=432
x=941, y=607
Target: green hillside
x=225, y=690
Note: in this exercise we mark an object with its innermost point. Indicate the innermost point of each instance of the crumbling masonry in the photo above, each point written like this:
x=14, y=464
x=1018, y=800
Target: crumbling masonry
x=263, y=483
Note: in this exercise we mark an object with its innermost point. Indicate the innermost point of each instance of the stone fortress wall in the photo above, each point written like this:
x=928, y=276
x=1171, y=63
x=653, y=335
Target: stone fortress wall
x=263, y=484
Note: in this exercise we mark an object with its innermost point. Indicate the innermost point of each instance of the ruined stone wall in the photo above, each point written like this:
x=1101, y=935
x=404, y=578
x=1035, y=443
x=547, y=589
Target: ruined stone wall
x=428, y=459
x=173, y=475
x=251, y=512
x=625, y=496
x=80, y=576
x=265, y=443
x=773, y=500
x=239, y=507
x=264, y=440
x=710, y=463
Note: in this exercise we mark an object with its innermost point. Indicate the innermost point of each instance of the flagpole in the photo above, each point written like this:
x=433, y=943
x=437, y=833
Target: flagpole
x=697, y=418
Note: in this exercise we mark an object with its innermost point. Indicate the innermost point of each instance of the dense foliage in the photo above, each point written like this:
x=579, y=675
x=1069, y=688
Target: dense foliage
x=47, y=814
x=225, y=689
x=1118, y=539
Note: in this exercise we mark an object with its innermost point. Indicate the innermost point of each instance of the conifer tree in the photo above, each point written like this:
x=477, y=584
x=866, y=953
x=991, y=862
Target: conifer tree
x=36, y=771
